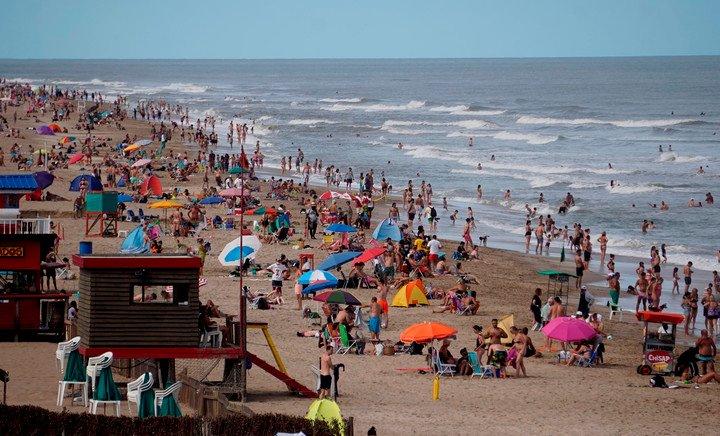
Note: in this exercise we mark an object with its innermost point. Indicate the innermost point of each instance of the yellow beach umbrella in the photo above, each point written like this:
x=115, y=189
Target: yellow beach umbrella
x=166, y=204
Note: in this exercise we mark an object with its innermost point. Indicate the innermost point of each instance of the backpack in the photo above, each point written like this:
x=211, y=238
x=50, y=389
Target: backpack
x=658, y=381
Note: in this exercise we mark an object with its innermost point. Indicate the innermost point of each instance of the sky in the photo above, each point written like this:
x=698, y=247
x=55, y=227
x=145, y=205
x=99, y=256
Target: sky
x=288, y=29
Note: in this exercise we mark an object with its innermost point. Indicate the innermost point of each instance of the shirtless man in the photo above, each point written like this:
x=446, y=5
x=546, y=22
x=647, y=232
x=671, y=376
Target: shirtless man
x=374, y=321
x=539, y=236
x=688, y=272
x=394, y=213
x=326, y=367
x=706, y=352
x=495, y=334
x=382, y=292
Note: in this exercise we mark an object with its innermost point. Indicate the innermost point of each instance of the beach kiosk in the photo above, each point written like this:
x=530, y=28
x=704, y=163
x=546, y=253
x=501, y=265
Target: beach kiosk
x=146, y=307
x=558, y=283
x=27, y=311
x=659, y=343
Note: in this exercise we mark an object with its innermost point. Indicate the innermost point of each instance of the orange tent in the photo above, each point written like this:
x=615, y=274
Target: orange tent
x=426, y=332
x=412, y=294
x=152, y=184
x=55, y=127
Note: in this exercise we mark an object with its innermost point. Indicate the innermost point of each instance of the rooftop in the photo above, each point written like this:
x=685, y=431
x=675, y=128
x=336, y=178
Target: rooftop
x=17, y=183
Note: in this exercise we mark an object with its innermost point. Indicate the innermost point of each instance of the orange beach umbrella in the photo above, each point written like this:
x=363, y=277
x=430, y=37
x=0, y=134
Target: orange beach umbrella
x=425, y=332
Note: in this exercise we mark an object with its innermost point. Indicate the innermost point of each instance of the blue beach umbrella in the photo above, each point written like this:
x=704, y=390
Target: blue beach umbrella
x=125, y=198
x=338, y=259
x=212, y=200
x=340, y=228
x=234, y=252
x=316, y=276
x=387, y=229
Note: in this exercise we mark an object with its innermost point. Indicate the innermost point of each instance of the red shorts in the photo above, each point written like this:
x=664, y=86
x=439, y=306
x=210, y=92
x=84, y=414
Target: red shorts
x=433, y=258
x=384, y=305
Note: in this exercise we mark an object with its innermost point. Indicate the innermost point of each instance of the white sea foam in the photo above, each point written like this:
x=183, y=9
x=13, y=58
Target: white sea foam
x=184, y=88
x=378, y=107
x=530, y=138
x=526, y=119
x=671, y=156
x=341, y=100
x=22, y=80
x=449, y=108
x=632, y=189
x=585, y=185
x=310, y=122
x=470, y=113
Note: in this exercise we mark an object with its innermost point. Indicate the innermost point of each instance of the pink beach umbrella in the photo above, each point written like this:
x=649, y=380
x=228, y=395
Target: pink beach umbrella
x=75, y=158
x=234, y=192
x=568, y=329
x=141, y=163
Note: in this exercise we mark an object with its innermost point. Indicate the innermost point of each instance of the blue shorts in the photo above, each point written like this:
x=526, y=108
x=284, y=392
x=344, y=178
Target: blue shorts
x=374, y=325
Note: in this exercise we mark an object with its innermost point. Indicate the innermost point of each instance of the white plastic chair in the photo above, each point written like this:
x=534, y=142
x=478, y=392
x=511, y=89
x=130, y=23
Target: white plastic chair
x=94, y=367
x=442, y=368
x=136, y=387
x=173, y=390
x=63, y=351
x=61, y=355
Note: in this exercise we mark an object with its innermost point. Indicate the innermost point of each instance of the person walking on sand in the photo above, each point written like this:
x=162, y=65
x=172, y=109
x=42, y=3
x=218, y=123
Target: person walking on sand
x=579, y=268
x=374, y=321
x=466, y=234
x=326, y=367
x=382, y=292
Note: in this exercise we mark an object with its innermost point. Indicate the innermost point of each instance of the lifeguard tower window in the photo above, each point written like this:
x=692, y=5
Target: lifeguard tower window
x=160, y=294
x=17, y=281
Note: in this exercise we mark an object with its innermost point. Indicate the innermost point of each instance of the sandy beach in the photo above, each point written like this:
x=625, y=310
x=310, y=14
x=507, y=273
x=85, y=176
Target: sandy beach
x=608, y=399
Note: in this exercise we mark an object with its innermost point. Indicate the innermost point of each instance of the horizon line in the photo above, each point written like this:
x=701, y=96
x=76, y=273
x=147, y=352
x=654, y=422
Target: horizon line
x=359, y=58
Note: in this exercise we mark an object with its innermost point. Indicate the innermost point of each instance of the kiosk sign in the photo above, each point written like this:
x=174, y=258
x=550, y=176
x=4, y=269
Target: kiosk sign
x=659, y=360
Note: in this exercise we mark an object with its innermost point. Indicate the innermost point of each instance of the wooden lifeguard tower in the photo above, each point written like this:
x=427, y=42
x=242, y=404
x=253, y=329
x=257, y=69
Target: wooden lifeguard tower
x=146, y=307
x=101, y=217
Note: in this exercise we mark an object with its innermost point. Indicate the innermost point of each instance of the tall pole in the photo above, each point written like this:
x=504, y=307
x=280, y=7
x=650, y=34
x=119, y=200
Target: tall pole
x=242, y=312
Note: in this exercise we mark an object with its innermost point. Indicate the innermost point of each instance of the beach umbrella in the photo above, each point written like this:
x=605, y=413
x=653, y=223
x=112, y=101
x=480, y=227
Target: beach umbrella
x=569, y=329
x=259, y=211
x=233, y=252
x=75, y=368
x=44, y=130
x=135, y=242
x=125, y=198
x=146, y=402
x=151, y=184
x=75, y=158
x=329, y=195
x=369, y=254
x=427, y=331
x=169, y=406
x=338, y=297
x=387, y=229
x=143, y=142
x=43, y=179
x=337, y=259
x=66, y=139
x=340, y=228
x=130, y=148
x=212, y=200
x=237, y=170
x=94, y=184
x=106, y=390
x=141, y=163
x=166, y=204
x=316, y=276
x=234, y=192
x=326, y=410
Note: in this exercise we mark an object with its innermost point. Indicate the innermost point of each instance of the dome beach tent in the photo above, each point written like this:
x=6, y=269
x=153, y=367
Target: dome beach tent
x=412, y=294
x=93, y=183
x=387, y=229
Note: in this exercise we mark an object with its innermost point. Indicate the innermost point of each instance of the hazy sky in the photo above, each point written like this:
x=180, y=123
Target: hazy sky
x=360, y=28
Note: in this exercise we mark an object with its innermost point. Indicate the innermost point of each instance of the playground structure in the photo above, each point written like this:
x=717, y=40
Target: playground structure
x=101, y=215
x=118, y=313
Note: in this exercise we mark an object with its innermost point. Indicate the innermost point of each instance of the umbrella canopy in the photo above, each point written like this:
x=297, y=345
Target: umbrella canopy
x=316, y=276
x=125, y=198
x=44, y=130
x=75, y=368
x=75, y=158
x=212, y=200
x=234, y=192
x=329, y=195
x=569, y=329
x=106, y=388
x=141, y=163
x=143, y=142
x=369, y=254
x=130, y=148
x=66, y=139
x=337, y=259
x=152, y=184
x=326, y=410
x=43, y=179
x=338, y=297
x=387, y=229
x=233, y=252
x=425, y=332
x=340, y=228
x=166, y=204
x=94, y=184
x=146, y=402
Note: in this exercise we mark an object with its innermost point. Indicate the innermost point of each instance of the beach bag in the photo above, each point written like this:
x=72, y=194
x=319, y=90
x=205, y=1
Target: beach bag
x=658, y=381
x=262, y=304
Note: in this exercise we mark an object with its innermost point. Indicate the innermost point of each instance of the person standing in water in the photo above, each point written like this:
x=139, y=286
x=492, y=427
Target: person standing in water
x=603, y=240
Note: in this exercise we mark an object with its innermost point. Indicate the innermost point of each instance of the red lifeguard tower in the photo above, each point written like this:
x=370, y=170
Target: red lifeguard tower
x=146, y=307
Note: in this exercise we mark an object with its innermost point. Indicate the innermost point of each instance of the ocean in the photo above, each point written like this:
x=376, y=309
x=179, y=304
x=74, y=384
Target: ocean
x=553, y=125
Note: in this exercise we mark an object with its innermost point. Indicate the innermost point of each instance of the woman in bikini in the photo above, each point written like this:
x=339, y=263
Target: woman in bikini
x=676, y=281
x=528, y=235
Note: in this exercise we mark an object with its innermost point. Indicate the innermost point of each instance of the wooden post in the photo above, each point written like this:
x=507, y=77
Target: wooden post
x=350, y=426
x=242, y=315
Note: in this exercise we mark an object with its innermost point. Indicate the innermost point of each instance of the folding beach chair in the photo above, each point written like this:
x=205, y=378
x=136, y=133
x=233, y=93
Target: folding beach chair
x=442, y=368
x=484, y=371
x=345, y=342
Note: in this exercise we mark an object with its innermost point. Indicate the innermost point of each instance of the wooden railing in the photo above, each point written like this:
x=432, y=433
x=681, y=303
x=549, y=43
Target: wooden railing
x=25, y=226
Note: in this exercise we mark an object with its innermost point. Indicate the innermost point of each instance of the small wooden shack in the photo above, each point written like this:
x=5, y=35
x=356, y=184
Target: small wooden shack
x=138, y=301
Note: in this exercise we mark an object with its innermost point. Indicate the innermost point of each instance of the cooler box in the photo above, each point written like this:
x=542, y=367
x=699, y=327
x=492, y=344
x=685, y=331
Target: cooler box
x=102, y=202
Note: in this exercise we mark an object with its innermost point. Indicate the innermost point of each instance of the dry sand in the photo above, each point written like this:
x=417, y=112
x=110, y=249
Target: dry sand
x=610, y=399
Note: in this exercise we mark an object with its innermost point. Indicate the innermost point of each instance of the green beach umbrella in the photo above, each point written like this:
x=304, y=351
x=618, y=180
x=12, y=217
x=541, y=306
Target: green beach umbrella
x=75, y=369
x=147, y=401
x=169, y=406
x=106, y=388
